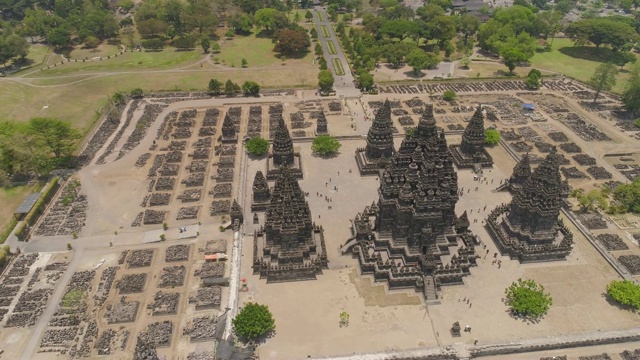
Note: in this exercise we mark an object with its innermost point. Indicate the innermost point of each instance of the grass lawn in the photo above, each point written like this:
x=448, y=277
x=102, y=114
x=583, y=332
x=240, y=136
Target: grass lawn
x=78, y=103
x=578, y=62
x=332, y=47
x=257, y=49
x=102, y=50
x=491, y=69
x=11, y=197
x=135, y=60
x=337, y=65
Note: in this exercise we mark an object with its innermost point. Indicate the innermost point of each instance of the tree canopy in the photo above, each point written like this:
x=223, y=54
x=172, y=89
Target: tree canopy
x=257, y=146
x=526, y=298
x=253, y=321
x=325, y=145
x=292, y=42
x=625, y=292
x=325, y=80
x=603, y=79
x=594, y=199
x=491, y=137
x=631, y=93
x=602, y=31
x=628, y=195
x=251, y=88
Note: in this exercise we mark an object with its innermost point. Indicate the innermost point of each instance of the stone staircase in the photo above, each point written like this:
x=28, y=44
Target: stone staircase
x=430, y=292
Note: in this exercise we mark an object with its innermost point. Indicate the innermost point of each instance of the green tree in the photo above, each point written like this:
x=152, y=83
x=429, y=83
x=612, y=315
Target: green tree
x=592, y=200
x=628, y=195
x=602, y=31
x=449, y=95
x=206, y=44
x=419, y=60
x=491, y=137
x=153, y=44
x=366, y=81
x=55, y=135
x=325, y=81
x=244, y=62
x=59, y=38
x=465, y=62
x=253, y=321
x=511, y=57
x=429, y=12
x=151, y=27
x=137, y=93
x=257, y=146
x=631, y=93
x=526, y=298
x=215, y=47
x=118, y=98
x=240, y=23
x=468, y=25
x=231, y=88
x=603, y=79
x=308, y=15
x=325, y=145
x=3, y=257
x=215, y=87
x=91, y=42
x=292, y=42
x=625, y=292
x=185, y=42
x=269, y=19
x=251, y=88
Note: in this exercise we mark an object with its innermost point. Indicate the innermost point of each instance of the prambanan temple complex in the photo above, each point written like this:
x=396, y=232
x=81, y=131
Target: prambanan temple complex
x=289, y=246
x=471, y=151
x=528, y=228
x=403, y=237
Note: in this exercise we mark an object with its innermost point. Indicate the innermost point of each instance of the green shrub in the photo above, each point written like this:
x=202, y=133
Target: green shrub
x=625, y=292
x=449, y=95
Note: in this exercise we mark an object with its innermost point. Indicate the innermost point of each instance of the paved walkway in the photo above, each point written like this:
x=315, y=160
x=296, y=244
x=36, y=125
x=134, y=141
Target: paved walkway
x=345, y=84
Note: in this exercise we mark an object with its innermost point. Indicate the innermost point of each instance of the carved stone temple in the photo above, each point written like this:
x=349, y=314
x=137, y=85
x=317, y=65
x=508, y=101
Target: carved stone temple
x=528, y=228
x=282, y=153
x=403, y=237
x=289, y=246
x=229, y=133
x=321, y=124
x=261, y=193
x=471, y=150
x=379, y=150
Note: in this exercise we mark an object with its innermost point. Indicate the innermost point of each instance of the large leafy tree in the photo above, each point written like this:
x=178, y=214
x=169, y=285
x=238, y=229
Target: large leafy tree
x=629, y=196
x=526, y=298
x=592, y=200
x=251, y=88
x=253, y=321
x=215, y=87
x=325, y=145
x=420, y=60
x=631, y=94
x=292, y=42
x=603, y=79
x=602, y=31
x=56, y=135
x=325, y=80
x=625, y=292
x=491, y=137
x=257, y=146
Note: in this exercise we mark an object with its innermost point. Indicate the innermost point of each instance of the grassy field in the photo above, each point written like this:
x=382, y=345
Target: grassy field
x=102, y=50
x=10, y=198
x=492, y=69
x=168, y=58
x=578, y=62
x=257, y=49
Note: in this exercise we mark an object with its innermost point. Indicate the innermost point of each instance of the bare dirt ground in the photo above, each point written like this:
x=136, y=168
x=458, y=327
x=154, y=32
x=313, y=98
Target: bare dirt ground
x=307, y=313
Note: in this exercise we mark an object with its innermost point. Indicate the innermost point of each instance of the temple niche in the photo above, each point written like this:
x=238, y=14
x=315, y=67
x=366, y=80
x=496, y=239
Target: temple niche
x=229, y=134
x=282, y=153
x=471, y=151
x=289, y=247
x=321, y=124
x=528, y=228
x=376, y=155
x=402, y=239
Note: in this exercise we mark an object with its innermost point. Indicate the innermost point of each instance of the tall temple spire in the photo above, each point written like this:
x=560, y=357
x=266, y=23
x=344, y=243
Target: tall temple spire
x=380, y=135
x=427, y=124
x=282, y=145
x=521, y=173
x=261, y=192
x=228, y=128
x=473, y=136
x=321, y=127
x=536, y=205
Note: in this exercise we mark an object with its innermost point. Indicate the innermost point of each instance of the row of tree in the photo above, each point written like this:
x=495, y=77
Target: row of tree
x=229, y=88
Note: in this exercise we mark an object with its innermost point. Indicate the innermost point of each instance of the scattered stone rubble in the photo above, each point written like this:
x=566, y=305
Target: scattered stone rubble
x=190, y=212
x=221, y=190
x=612, y=242
x=67, y=215
x=131, y=283
x=140, y=258
x=159, y=199
x=177, y=253
x=164, y=303
x=122, y=312
x=211, y=270
x=207, y=298
x=220, y=207
x=599, y=173
x=172, y=276
x=142, y=160
x=190, y=195
x=631, y=262
x=202, y=328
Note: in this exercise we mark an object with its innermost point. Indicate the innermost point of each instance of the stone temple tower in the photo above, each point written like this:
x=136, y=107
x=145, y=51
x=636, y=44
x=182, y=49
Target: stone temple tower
x=471, y=150
x=379, y=150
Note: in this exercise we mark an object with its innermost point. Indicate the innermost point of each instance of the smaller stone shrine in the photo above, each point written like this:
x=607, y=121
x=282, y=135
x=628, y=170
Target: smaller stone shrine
x=321, y=126
x=229, y=134
x=377, y=154
x=521, y=173
x=282, y=153
x=236, y=213
x=289, y=247
x=471, y=150
x=528, y=228
x=261, y=193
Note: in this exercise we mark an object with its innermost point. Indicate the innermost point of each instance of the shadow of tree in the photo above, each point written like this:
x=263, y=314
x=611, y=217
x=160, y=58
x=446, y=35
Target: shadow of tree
x=413, y=75
x=601, y=54
x=614, y=303
x=332, y=155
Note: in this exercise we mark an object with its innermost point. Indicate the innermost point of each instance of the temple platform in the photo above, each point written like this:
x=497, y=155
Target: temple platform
x=367, y=166
x=296, y=168
x=464, y=161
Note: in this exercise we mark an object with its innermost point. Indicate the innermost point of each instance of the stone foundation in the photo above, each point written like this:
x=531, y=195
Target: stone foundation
x=273, y=170
x=368, y=166
x=464, y=161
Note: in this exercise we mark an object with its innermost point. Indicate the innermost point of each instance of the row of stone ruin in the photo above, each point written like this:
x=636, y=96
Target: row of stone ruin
x=151, y=112
x=114, y=142
x=67, y=215
x=102, y=134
